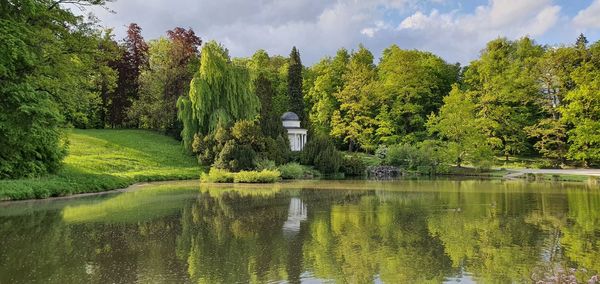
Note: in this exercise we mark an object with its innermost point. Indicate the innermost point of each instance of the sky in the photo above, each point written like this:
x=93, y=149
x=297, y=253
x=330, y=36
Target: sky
x=455, y=30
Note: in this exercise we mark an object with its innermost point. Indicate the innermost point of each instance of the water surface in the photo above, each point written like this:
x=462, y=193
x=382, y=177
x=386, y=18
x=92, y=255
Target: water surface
x=308, y=232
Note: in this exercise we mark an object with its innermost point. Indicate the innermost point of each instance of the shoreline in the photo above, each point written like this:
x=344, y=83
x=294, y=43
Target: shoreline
x=538, y=175
x=132, y=187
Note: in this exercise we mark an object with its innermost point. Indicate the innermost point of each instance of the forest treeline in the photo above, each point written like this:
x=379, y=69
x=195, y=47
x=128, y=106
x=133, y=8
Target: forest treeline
x=59, y=70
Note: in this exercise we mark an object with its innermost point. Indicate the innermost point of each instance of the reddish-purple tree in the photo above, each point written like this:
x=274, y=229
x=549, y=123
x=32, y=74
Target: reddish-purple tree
x=134, y=57
x=185, y=56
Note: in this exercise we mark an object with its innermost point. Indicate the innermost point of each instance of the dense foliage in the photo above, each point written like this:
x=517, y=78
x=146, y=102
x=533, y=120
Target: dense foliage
x=171, y=65
x=48, y=60
x=59, y=70
x=321, y=152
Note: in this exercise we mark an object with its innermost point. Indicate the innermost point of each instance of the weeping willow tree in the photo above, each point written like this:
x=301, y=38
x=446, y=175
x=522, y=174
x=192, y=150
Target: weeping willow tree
x=220, y=94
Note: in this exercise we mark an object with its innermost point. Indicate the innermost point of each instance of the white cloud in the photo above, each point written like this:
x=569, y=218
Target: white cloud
x=461, y=36
x=589, y=17
x=320, y=27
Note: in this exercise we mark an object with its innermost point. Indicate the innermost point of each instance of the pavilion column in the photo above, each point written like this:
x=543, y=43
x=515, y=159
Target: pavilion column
x=303, y=140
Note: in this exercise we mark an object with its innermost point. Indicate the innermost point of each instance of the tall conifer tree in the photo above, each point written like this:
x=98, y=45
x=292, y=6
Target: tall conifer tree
x=295, y=86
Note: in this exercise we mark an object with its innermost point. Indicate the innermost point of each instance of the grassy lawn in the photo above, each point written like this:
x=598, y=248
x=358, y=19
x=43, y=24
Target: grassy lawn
x=102, y=160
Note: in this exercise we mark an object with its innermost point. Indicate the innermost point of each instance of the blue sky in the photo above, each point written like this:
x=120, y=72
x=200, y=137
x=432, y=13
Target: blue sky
x=455, y=30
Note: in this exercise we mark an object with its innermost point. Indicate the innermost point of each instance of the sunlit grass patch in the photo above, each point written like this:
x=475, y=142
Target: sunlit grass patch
x=101, y=160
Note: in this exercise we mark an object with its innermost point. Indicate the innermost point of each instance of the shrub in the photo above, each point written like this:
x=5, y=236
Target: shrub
x=321, y=152
x=428, y=158
x=353, y=166
x=292, y=171
x=400, y=155
x=328, y=161
x=246, y=132
x=264, y=176
x=217, y=175
x=277, y=150
x=381, y=151
x=265, y=164
x=235, y=157
x=204, y=148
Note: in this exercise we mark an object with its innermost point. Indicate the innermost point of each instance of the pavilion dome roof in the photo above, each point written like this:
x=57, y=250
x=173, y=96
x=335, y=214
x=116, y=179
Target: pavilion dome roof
x=290, y=116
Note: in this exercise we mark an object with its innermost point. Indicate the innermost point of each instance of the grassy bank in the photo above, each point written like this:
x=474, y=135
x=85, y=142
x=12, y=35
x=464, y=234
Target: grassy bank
x=102, y=160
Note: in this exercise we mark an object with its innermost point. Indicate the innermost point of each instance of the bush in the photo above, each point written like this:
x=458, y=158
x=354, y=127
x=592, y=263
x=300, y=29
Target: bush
x=321, y=152
x=353, y=166
x=217, y=176
x=381, y=151
x=292, y=171
x=427, y=158
x=204, y=148
x=265, y=164
x=400, y=155
x=277, y=150
x=264, y=176
x=235, y=157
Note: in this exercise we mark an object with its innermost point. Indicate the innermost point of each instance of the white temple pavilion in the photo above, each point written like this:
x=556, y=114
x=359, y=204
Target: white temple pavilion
x=296, y=134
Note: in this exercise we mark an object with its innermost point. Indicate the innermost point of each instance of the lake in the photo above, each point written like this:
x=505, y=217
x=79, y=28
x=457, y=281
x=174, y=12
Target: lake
x=409, y=231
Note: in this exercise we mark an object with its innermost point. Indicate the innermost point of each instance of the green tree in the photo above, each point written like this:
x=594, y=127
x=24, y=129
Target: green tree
x=270, y=122
x=171, y=65
x=220, y=94
x=505, y=84
x=295, y=86
x=555, y=69
x=151, y=108
x=48, y=67
x=354, y=121
x=321, y=95
x=457, y=124
x=582, y=110
x=412, y=84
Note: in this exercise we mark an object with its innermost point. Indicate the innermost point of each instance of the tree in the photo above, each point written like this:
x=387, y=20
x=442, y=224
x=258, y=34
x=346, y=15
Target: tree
x=457, y=124
x=505, y=85
x=134, y=58
x=106, y=81
x=551, y=135
x=354, y=121
x=270, y=123
x=582, y=110
x=295, y=86
x=275, y=69
x=47, y=70
x=170, y=68
x=556, y=67
x=412, y=84
x=152, y=109
x=220, y=94
x=328, y=81
x=581, y=42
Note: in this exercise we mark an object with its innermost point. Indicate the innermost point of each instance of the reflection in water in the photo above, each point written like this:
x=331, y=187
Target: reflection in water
x=343, y=232
x=297, y=213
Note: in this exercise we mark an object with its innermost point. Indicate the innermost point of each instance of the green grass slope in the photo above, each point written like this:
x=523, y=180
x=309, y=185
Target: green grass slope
x=101, y=160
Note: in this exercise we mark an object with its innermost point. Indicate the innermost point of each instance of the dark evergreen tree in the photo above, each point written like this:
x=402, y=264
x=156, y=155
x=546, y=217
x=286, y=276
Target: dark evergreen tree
x=270, y=122
x=295, y=86
x=581, y=42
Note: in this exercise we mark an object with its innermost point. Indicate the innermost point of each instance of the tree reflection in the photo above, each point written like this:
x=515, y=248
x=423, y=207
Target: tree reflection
x=427, y=232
